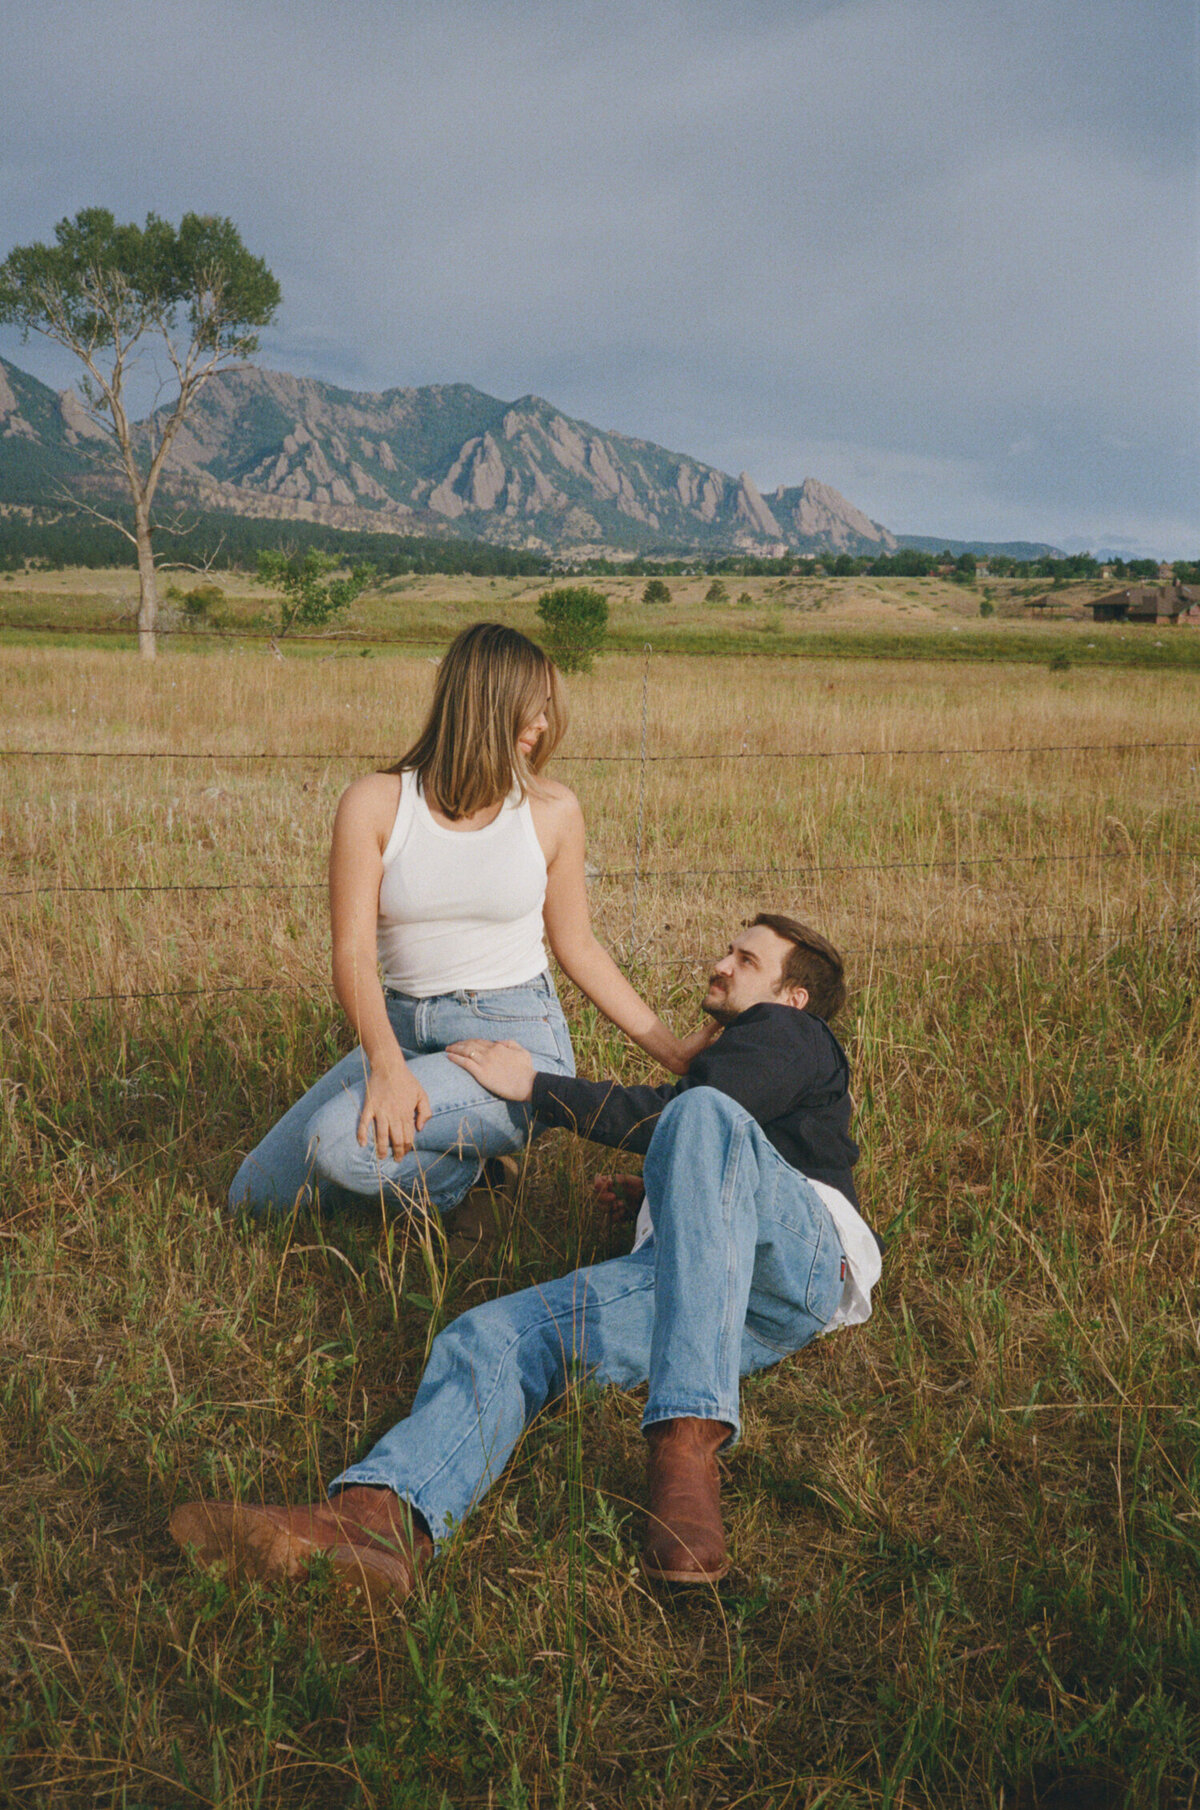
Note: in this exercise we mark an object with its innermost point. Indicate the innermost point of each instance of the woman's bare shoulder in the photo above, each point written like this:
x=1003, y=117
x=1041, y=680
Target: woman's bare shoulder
x=554, y=803
x=557, y=817
x=371, y=800
x=553, y=792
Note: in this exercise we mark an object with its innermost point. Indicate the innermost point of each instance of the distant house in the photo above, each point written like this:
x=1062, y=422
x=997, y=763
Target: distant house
x=1171, y=602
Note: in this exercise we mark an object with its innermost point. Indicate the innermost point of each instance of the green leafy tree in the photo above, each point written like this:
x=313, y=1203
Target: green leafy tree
x=716, y=592
x=657, y=591
x=109, y=293
x=309, y=597
x=576, y=622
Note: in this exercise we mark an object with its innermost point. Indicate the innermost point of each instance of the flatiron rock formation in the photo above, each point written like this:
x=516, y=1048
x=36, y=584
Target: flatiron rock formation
x=441, y=459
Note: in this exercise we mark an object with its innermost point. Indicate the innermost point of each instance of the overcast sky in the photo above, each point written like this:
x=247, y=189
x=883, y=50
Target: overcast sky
x=942, y=254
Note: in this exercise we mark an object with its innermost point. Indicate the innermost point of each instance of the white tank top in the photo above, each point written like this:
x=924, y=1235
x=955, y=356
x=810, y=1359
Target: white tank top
x=460, y=909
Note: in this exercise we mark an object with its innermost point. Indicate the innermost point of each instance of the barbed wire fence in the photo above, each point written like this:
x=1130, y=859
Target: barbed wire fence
x=51, y=888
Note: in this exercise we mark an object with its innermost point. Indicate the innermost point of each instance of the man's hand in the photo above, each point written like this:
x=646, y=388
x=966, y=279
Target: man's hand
x=503, y=1068
x=620, y=1197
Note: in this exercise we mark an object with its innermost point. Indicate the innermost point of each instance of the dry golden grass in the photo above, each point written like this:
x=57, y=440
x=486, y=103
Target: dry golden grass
x=888, y=847
x=967, y=1535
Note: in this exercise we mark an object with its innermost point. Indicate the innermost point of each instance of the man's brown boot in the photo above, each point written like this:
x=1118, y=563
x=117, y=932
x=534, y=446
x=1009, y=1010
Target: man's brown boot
x=368, y=1535
x=685, y=1541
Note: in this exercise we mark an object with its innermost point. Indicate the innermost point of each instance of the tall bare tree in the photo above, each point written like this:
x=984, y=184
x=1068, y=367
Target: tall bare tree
x=108, y=293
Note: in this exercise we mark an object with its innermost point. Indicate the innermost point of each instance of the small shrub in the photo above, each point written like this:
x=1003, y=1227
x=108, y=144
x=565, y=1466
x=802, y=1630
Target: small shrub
x=1059, y=661
x=986, y=608
x=200, y=603
x=657, y=591
x=716, y=592
x=744, y=599
x=576, y=620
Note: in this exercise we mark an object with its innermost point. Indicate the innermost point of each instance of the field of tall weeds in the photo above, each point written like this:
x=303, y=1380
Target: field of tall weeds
x=966, y=1536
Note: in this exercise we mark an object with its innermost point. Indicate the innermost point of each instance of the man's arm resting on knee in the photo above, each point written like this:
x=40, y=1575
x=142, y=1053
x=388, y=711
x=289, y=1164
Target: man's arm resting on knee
x=622, y=1117
x=770, y=1060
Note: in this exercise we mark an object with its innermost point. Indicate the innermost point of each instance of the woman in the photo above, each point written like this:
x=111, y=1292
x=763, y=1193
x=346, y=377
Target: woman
x=444, y=872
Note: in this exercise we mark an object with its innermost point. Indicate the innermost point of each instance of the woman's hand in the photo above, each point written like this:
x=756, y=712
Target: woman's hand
x=395, y=1109
x=693, y=1044
x=685, y=1050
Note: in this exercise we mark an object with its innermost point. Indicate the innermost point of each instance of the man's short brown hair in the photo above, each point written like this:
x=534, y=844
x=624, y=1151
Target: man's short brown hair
x=812, y=963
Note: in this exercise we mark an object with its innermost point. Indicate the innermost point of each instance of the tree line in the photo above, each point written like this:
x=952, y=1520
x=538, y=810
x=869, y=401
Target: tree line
x=907, y=562
x=216, y=541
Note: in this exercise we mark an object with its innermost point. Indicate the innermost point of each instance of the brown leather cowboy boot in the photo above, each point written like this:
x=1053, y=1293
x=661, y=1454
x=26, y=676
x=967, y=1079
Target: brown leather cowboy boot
x=685, y=1541
x=369, y=1535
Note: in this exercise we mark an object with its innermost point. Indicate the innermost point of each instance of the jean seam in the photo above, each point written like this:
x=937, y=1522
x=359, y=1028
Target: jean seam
x=728, y=1184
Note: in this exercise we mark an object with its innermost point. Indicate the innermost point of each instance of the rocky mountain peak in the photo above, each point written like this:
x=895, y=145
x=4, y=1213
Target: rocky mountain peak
x=521, y=473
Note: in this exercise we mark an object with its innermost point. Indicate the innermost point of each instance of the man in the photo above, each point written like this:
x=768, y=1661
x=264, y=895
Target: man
x=749, y=1244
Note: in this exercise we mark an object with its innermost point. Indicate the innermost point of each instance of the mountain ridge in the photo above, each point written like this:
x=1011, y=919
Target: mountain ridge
x=437, y=460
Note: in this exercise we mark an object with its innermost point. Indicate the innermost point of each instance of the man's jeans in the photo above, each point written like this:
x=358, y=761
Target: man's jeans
x=317, y=1143
x=744, y=1267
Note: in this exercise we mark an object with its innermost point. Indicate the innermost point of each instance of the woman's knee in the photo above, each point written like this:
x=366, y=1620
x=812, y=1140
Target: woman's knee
x=331, y=1137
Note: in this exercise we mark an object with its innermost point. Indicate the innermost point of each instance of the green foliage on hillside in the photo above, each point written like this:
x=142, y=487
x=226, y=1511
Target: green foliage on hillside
x=233, y=543
x=42, y=463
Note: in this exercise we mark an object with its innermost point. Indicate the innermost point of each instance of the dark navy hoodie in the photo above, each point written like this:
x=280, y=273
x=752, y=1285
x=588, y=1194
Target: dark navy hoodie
x=783, y=1065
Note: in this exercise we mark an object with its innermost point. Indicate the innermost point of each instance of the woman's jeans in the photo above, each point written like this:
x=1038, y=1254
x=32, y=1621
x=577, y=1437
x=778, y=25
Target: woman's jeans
x=315, y=1147
x=744, y=1267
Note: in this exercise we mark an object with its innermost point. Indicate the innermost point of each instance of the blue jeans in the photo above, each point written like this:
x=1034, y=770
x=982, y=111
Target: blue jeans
x=744, y=1267
x=315, y=1145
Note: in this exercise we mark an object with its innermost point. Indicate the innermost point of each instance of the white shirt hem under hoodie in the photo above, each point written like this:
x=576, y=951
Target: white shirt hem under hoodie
x=864, y=1260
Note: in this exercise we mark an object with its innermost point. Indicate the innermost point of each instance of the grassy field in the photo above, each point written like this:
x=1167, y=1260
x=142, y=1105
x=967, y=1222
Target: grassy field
x=816, y=618
x=966, y=1536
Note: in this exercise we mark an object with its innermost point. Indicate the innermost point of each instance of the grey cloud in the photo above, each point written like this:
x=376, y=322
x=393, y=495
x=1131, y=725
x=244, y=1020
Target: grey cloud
x=917, y=231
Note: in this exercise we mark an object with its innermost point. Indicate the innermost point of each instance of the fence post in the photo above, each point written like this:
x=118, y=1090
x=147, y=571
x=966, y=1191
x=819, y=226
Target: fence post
x=641, y=804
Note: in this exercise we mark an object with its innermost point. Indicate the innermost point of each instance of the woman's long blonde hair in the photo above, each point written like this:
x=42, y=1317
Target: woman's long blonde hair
x=492, y=682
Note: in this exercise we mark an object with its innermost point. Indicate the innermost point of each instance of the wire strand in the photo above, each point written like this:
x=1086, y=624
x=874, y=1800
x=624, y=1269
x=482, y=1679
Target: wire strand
x=213, y=754
x=635, y=874
x=942, y=947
